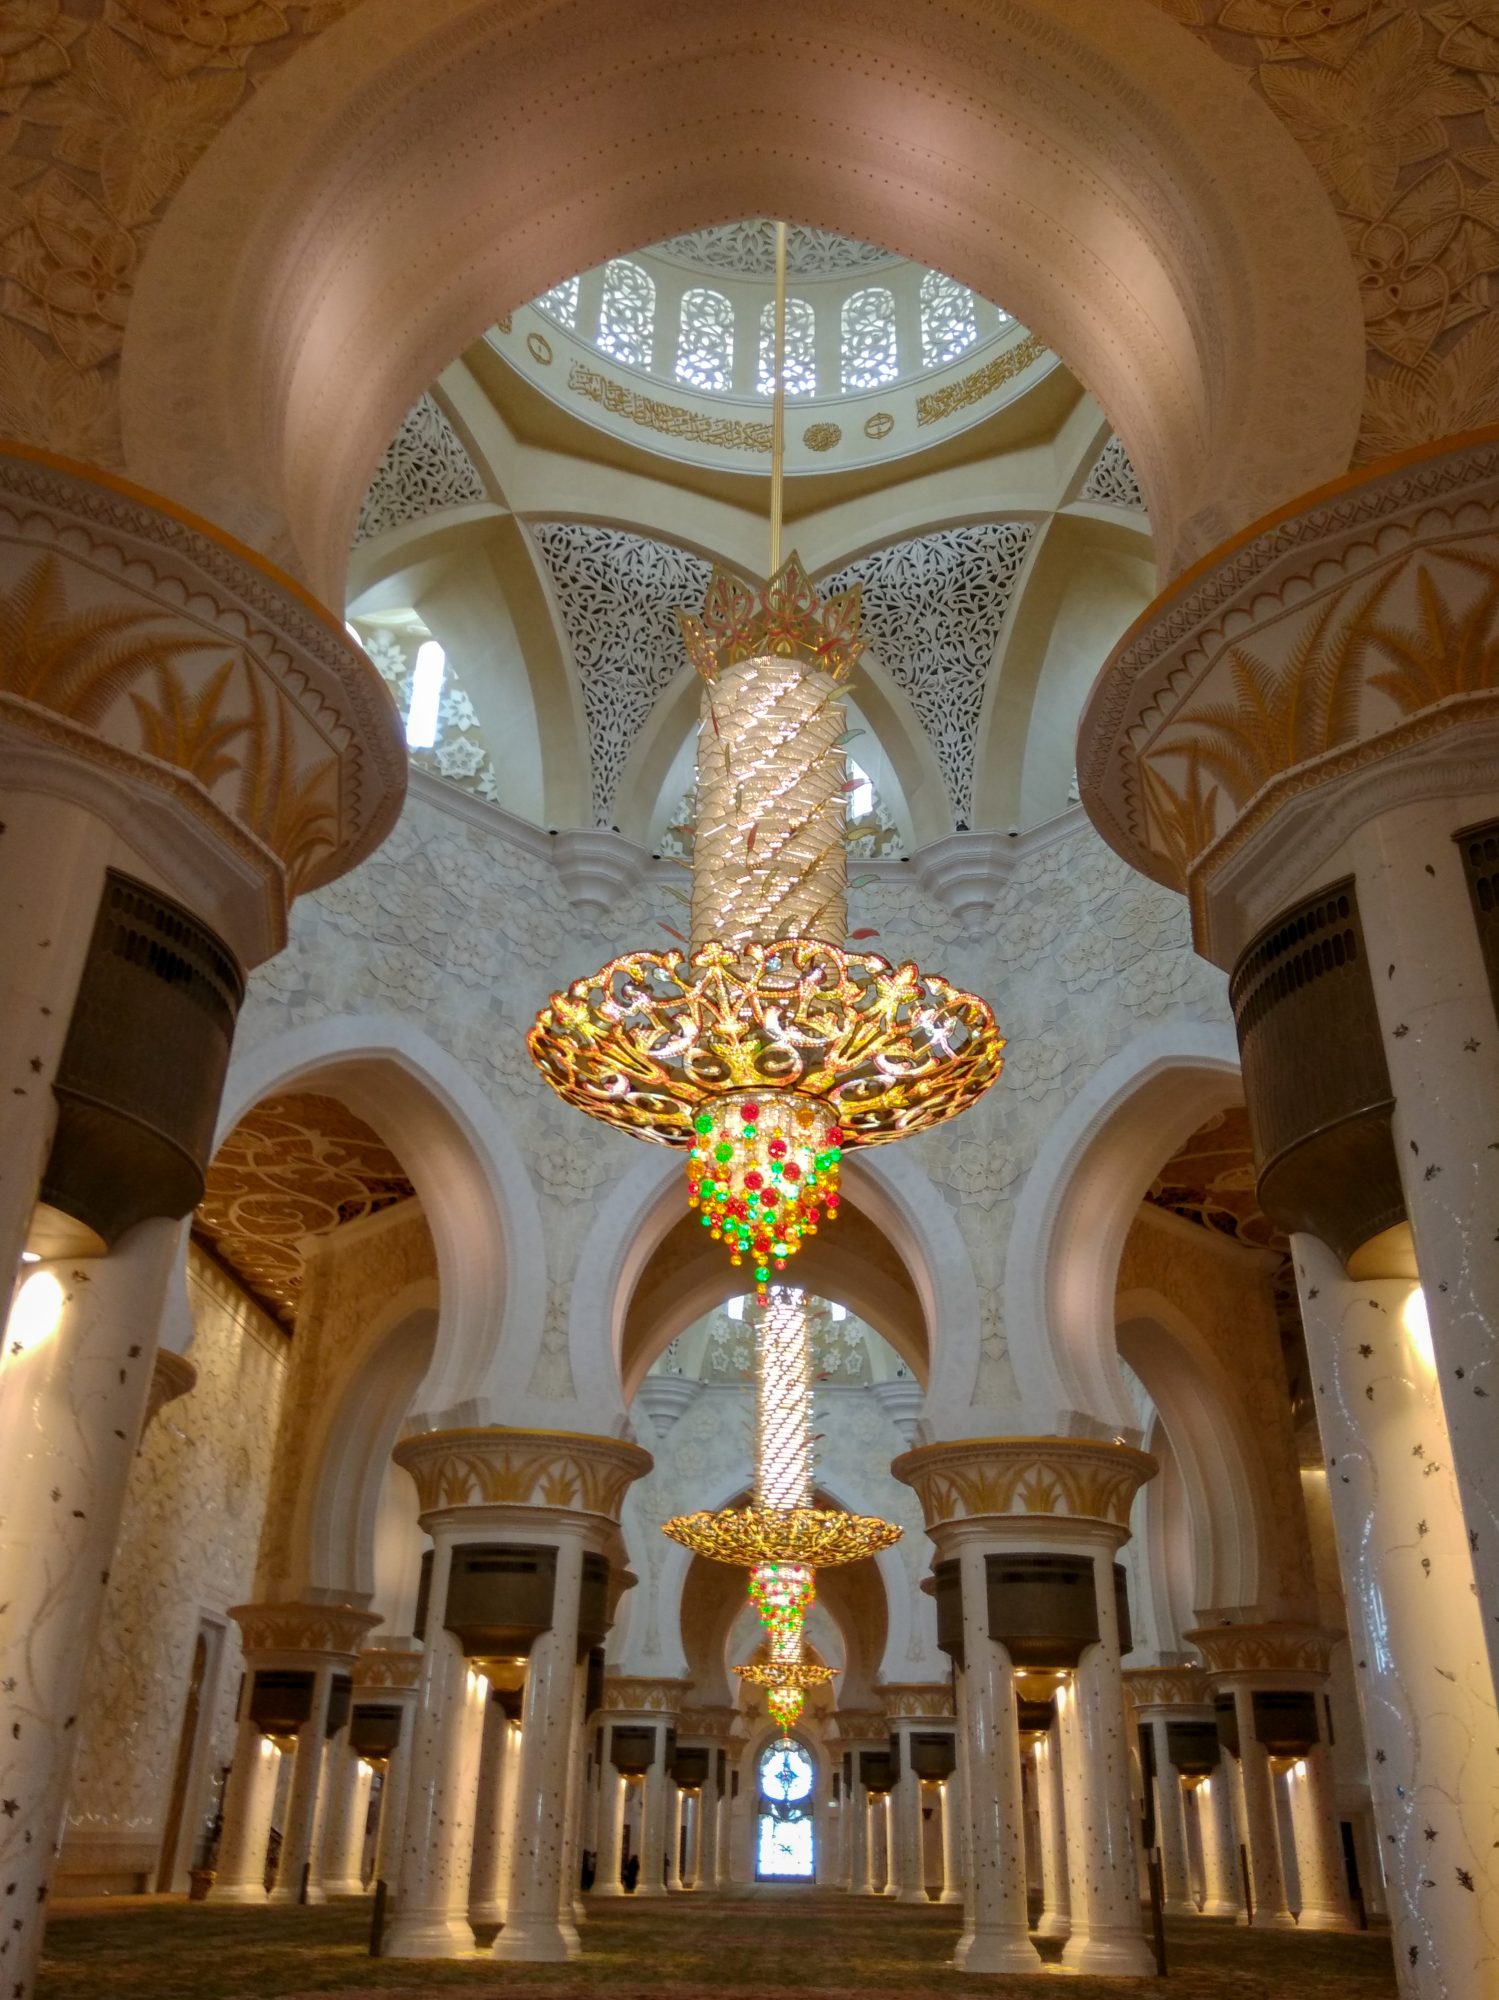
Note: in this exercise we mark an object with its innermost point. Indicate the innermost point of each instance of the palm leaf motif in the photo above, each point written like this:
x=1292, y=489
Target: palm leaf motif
x=1282, y=717
x=76, y=663
x=1449, y=652
x=189, y=732
x=1187, y=820
x=296, y=818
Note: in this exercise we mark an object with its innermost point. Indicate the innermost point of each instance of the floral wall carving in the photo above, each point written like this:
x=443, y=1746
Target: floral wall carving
x=186, y=1550
x=424, y=470
x=618, y=594
x=932, y=609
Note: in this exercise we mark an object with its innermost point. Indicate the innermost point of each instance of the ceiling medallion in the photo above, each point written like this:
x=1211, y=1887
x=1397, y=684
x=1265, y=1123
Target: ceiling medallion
x=767, y=1050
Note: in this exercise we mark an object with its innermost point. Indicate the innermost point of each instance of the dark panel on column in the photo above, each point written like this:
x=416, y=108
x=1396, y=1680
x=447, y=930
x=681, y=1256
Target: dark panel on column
x=281, y=1699
x=690, y=1766
x=1285, y=1721
x=947, y=1580
x=593, y=1690
x=1316, y=1082
x=1193, y=1747
x=934, y=1753
x=142, y=1069
x=1479, y=848
x=340, y=1701
x=374, y=1729
x=632, y=1748
x=1121, y=1610
x=1146, y=1737
x=593, y=1603
x=423, y=1598
x=879, y=1770
x=500, y=1597
x=1042, y=1608
x=1226, y=1723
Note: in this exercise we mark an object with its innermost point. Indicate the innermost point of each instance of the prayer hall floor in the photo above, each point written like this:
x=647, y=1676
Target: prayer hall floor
x=770, y=1944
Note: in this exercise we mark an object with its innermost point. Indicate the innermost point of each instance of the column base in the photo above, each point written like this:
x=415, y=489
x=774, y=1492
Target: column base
x=485, y=1914
x=1054, y=1925
x=1124, y=1954
x=1325, y=1920
x=1269, y=1920
x=912, y=1896
x=286, y=1898
x=348, y=1886
x=427, y=1937
x=1219, y=1906
x=607, y=1889
x=1179, y=1906
x=535, y=1941
x=650, y=1889
x=951, y=1896
x=237, y=1892
x=1000, y=1951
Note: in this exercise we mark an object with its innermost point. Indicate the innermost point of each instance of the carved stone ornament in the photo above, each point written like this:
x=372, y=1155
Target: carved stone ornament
x=1276, y=1648
x=387, y=1667
x=337, y=1630
x=145, y=643
x=643, y=1697
x=716, y=1723
x=1334, y=636
x=929, y=1700
x=859, y=1725
x=501, y=1467
x=1168, y=1687
x=1079, y=1479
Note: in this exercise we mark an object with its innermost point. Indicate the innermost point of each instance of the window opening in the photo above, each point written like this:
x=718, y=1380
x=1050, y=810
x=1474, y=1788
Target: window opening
x=705, y=340
x=949, y=321
x=426, y=695
x=561, y=303
x=627, y=316
x=785, y=1850
x=801, y=349
x=870, y=357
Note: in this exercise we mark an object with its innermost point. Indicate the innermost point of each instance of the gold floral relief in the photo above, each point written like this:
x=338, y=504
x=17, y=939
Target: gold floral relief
x=1069, y=1478
x=302, y=1628
x=384, y=1667
x=479, y=1468
x=1168, y=1687
x=644, y=1697
x=1263, y=1649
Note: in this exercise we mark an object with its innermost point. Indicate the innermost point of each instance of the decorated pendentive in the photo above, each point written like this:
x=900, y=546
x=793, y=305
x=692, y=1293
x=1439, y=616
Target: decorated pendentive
x=770, y=1047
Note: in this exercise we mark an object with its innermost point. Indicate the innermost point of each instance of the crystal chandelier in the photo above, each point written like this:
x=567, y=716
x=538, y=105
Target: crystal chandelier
x=768, y=1050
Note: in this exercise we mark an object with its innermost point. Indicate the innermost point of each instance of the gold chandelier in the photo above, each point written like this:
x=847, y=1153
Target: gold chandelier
x=768, y=1049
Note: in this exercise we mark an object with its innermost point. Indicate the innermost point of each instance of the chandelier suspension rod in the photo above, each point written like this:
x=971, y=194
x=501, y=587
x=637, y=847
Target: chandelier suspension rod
x=778, y=403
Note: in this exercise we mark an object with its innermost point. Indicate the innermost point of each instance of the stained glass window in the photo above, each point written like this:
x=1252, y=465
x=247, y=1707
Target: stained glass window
x=801, y=349
x=561, y=303
x=869, y=349
x=627, y=317
x=949, y=324
x=705, y=341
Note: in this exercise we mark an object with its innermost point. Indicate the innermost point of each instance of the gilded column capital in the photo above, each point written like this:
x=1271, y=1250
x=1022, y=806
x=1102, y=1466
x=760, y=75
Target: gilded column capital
x=1168, y=1688
x=1053, y=1478
x=571, y=1471
x=635, y=1695
x=1275, y=1650
x=331, y=1631
x=716, y=1722
x=1319, y=665
x=167, y=677
x=388, y=1668
x=859, y=1725
x=919, y=1700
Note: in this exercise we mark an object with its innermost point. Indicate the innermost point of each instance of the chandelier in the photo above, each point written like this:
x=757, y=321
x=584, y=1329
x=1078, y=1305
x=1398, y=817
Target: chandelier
x=768, y=1049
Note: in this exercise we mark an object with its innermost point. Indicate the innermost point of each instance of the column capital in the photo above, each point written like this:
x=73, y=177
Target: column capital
x=317, y=1634
x=918, y=1701
x=1056, y=1481
x=632, y=1695
x=1314, y=669
x=390, y=1669
x=1167, y=1690
x=1278, y=1652
x=716, y=1723
x=565, y=1471
x=173, y=683
x=859, y=1725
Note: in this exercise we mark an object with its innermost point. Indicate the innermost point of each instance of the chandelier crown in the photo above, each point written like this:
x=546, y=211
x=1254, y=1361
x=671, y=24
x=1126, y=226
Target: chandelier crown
x=783, y=619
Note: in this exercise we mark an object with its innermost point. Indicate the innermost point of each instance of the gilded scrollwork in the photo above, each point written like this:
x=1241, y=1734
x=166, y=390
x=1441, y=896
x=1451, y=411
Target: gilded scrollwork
x=337, y=1629
x=1272, y=1648
x=498, y=1467
x=1061, y=1478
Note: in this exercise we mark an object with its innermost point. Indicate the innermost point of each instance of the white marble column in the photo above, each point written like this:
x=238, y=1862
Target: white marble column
x=1000, y=1940
x=299, y=1836
x=487, y=1877
x=1103, y=1879
x=724, y=1877
x=884, y=1826
x=1223, y=1894
x=347, y=1783
x=75, y=1376
x=1321, y=1877
x=952, y=1866
x=249, y=1797
x=437, y=1835
x=1258, y=1829
x=858, y=1827
x=1171, y=1825
x=907, y=1872
x=653, y=1822
x=393, y=1791
x=708, y=1807
x=571, y=1909
x=533, y=1930
x=1414, y=1617
x=694, y=1876
x=674, y=1815
x=612, y=1789
x=1056, y=1910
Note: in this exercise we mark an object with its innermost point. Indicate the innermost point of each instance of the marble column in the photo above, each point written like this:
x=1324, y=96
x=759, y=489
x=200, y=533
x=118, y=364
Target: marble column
x=707, y=1844
x=952, y=1867
x=437, y=1835
x=249, y=1798
x=1222, y=1887
x=299, y=1835
x=694, y=1876
x=534, y=1932
x=347, y=1784
x=674, y=1815
x=907, y=1874
x=655, y=1823
x=487, y=1877
x=1414, y=1617
x=1258, y=1833
x=389, y=1676
x=1325, y=1904
x=857, y=1806
x=883, y=1845
x=1160, y=1696
x=612, y=1787
x=1056, y=1912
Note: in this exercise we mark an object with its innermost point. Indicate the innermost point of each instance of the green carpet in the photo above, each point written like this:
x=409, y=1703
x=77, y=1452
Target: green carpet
x=771, y=1945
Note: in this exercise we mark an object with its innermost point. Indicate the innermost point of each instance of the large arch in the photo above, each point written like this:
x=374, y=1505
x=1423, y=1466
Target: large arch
x=1075, y=1208
x=471, y=1179
x=417, y=170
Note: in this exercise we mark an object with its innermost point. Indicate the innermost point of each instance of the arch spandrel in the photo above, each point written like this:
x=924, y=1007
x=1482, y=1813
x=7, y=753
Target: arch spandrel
x=1178, y=252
